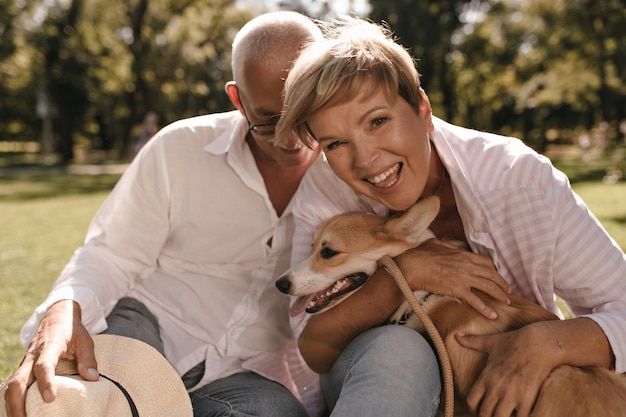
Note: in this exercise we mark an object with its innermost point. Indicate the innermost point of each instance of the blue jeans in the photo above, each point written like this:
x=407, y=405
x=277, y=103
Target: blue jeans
x=245, y=394
x=387, y=371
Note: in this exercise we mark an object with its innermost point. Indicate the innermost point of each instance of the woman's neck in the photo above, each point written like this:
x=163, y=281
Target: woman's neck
x=448, y=223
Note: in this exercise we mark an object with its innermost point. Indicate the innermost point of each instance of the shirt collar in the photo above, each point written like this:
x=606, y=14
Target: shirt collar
x=229, y=137
x=448, y=139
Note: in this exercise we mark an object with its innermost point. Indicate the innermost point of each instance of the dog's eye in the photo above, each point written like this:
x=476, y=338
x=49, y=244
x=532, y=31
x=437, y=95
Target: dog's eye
x=327, y=253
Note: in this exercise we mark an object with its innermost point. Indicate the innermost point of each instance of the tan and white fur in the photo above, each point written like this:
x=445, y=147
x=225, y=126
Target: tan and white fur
x=350, y=245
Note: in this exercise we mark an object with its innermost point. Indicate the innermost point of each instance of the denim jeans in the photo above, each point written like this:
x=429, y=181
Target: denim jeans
x=388, y=371
x=245, y=394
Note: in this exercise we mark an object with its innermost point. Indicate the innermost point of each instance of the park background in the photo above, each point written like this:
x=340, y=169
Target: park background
x=78, y=78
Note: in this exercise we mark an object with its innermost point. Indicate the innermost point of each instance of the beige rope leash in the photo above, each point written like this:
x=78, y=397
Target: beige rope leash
x=448, y=386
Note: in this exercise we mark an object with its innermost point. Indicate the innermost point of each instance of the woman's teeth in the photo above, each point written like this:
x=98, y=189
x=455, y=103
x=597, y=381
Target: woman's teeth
x=379, y=180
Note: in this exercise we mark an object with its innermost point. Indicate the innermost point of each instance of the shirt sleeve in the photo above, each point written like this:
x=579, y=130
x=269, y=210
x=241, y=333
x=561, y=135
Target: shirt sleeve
x=590, y=270
x=121, y=246
x=546, y=242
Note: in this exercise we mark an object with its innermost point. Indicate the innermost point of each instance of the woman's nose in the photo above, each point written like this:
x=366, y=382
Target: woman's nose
x=364, y=153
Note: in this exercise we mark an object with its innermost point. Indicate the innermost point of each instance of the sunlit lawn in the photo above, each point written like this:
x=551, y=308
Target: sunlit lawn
x=42, y=221
x=44, y=218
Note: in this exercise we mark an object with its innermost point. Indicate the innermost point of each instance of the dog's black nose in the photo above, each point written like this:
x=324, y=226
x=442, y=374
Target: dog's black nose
x=283, y=284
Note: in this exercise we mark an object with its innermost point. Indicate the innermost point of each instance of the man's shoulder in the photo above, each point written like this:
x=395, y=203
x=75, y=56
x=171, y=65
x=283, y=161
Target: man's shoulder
x=220, y=121
x=216, y=130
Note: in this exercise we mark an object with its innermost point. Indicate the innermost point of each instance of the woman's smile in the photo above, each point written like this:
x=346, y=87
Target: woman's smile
x=387, y=178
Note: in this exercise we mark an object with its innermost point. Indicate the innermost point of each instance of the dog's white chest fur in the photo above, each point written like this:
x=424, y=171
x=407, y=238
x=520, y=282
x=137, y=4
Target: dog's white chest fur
x=405, y=315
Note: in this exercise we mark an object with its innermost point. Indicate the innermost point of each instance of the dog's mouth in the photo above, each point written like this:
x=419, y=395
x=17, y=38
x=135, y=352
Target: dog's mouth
x=331, y=296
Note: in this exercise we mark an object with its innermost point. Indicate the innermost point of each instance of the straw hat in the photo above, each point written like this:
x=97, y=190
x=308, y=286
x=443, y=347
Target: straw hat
x=136, y=380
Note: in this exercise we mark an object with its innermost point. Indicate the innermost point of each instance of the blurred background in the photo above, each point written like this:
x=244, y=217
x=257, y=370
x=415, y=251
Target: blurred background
x=88, y=79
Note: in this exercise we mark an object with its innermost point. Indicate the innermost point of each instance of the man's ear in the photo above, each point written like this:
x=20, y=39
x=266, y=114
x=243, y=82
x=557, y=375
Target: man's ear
x=233, y=94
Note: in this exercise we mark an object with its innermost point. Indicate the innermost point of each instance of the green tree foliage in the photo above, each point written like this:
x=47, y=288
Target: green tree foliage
x=104, y=64
x=523, y=67
x=17, y=91
x=529, y=66
x=64, y=67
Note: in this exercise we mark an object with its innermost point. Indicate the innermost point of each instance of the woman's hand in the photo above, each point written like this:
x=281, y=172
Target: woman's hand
x=60, y=335
x=519, y=362
x=444, y=268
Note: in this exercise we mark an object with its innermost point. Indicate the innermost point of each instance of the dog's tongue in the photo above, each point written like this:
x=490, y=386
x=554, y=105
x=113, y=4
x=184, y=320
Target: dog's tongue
x=300, y=304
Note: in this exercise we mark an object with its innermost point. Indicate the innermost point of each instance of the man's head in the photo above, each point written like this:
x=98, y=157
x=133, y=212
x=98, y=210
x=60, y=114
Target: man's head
x=269, y=41
x=263, y=52
x=354, y=54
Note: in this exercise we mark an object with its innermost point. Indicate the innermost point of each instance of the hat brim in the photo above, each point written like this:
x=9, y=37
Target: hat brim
x=149, y=379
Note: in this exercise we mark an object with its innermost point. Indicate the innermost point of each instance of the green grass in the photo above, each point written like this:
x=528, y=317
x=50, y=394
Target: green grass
x=43, y=219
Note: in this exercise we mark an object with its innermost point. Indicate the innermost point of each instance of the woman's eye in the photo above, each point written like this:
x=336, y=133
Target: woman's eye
x=378, y=121
x=334, y=144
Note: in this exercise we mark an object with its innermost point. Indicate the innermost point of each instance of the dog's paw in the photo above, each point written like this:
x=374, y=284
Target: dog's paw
x=401, y=315
x=405, y=315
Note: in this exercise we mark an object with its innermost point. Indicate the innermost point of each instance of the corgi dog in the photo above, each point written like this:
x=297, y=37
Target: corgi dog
x=345, y=253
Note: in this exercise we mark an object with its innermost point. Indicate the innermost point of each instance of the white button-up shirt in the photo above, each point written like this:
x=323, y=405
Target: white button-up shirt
x=190, y=231
x=517, y=209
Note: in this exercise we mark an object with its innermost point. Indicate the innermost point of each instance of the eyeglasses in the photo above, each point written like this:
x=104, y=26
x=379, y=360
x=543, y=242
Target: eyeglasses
x=265, y=129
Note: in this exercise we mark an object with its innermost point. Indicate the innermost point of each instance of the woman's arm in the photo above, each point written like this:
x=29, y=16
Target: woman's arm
x=429, y=267
x=328, y=333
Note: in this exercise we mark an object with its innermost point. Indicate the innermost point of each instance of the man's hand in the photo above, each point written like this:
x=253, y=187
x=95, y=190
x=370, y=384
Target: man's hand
x=60, y=335
x=443, y=268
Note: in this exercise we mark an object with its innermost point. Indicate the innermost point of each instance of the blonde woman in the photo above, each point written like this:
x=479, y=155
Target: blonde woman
x=357, y=94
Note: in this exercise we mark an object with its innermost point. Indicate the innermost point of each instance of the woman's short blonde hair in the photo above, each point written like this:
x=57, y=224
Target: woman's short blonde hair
x=354, y=53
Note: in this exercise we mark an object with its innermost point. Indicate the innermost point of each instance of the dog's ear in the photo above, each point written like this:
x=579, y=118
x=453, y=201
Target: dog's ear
x=413, y=223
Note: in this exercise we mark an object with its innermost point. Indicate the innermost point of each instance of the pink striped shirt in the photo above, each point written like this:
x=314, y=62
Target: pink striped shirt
x=516, y=208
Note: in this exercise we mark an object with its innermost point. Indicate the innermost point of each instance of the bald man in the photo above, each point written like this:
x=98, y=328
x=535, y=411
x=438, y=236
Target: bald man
x=184, y=252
